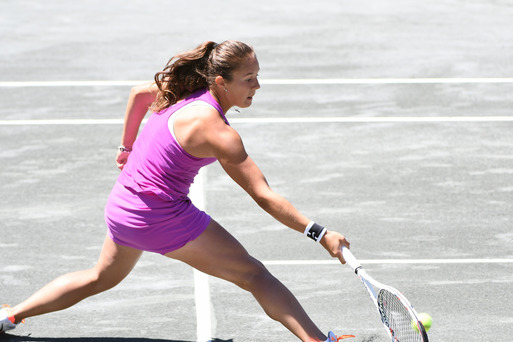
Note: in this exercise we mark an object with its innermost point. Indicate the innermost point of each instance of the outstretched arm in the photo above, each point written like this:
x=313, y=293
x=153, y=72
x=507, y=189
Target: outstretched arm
x=243, y=170
x=141, y=97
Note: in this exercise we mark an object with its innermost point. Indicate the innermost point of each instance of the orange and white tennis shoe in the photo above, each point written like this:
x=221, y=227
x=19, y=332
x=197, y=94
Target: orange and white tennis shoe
x=6, y=319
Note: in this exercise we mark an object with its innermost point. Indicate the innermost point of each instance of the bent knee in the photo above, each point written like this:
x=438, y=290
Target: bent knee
x=254, y=276
x=102, y=281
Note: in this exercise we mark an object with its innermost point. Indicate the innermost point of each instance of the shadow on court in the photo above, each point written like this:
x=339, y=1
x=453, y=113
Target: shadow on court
x=14, y=338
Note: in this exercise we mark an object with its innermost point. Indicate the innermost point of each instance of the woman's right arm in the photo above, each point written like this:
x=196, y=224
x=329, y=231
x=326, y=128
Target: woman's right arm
x=141, y=97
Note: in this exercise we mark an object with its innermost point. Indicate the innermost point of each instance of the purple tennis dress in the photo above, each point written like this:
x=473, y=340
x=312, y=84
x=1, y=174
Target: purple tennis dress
x=148, y=208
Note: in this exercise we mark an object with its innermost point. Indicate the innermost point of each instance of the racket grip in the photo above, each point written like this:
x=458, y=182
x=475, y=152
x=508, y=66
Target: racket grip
x=350, y=259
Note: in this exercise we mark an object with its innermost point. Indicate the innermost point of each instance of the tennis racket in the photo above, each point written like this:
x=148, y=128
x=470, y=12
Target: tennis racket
x=397, y=315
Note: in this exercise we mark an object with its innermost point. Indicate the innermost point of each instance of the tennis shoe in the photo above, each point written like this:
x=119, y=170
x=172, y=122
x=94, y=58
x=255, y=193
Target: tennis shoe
x=333, y=338
x=6, y=319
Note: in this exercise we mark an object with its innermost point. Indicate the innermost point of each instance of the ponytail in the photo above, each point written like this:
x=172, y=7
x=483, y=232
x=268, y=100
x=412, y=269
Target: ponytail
x=184, y=73
x=197, y=68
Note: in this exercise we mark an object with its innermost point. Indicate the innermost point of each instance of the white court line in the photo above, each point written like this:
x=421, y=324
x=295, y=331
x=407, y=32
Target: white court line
x=391, y=261
x=277, y=120
x=201, y=283
x=353, y=119
x=44, y=84
x=58, y=122
x=370, y=81
x=203, y=307
x=298, y=81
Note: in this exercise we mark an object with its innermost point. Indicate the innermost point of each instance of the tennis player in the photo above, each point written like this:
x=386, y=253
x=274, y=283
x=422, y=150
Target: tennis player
x=149, y=209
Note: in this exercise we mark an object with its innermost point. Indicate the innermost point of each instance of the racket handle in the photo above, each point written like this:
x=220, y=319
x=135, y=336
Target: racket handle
x=350, y=259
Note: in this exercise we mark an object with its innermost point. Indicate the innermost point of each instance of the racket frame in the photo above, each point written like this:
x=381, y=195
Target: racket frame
x=371, y=284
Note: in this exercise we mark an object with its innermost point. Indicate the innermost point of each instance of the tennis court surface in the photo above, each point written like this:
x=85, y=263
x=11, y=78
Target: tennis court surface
x=389, y=122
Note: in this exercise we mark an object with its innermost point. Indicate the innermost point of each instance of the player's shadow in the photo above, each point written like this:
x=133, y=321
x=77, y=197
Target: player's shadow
x=15, y=338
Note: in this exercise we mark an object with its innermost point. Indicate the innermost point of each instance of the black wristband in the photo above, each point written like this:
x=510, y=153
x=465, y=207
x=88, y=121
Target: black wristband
x=315, y=231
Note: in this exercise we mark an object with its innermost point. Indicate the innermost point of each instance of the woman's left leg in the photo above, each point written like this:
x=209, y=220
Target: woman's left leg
x=216, y=252
x=114, y=264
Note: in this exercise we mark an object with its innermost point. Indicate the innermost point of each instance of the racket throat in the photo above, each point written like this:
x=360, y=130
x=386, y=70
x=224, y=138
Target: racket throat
x=357, y=269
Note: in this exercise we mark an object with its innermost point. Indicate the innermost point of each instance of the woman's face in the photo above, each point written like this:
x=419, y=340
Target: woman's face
x=244, y=84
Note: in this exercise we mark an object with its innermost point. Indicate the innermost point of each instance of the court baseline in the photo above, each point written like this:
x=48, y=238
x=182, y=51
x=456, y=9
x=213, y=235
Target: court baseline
x=299, y=81
x=256, y=120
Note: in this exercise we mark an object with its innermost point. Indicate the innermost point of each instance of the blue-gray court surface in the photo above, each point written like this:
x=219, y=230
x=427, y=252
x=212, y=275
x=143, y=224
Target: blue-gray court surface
x=389, y=121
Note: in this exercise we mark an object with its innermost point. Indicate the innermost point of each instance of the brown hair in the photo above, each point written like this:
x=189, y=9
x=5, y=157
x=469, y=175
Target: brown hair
x=197, y=68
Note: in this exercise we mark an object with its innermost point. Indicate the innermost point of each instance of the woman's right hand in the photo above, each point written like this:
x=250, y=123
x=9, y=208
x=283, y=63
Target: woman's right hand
x=333, y=242
x=141, y=97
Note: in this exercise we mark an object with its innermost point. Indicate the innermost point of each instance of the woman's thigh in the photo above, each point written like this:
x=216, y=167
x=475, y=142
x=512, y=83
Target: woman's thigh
x=115, y=263
x=216, y=252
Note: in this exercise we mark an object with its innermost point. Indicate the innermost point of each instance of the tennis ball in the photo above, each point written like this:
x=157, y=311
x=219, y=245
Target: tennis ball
x=426, y=321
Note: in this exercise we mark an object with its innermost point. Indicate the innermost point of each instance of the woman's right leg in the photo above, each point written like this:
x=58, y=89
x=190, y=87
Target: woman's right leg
x=114, y=264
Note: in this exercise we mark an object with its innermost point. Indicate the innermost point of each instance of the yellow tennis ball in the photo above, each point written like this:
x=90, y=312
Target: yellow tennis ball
x=426, y=321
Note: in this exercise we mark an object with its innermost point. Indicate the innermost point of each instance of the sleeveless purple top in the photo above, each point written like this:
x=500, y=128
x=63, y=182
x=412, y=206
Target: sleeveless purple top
x=157, y=163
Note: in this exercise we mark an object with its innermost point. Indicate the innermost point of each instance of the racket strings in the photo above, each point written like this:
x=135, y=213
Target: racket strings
x=402, y=325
